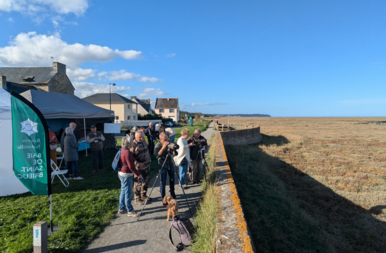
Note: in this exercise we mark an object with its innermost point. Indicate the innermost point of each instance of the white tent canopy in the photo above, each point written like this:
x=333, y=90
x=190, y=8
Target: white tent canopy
x=9, y=184
x=62, y=106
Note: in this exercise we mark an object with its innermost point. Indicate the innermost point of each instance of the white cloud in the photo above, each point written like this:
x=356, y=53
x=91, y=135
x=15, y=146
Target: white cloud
x=84, y=89
x=205, y=104
x=149, y=79
x=171, y=55
x=122, y=75
x=80, y=74
x=56, y=23
x=151, y=92
x=34, y=7
x=32, y=49
x=10, y=19
x=101, y=74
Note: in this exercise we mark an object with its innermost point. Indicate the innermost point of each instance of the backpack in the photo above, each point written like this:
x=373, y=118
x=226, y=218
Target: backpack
x=185, y=229
x=117, y=163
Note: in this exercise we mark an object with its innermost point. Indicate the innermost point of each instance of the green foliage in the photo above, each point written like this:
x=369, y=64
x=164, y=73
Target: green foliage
x=81, y=210
x=149, y=116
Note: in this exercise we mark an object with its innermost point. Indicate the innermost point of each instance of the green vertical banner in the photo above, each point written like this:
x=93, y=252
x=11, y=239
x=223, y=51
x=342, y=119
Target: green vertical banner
x=30, y=146
x=190, y=120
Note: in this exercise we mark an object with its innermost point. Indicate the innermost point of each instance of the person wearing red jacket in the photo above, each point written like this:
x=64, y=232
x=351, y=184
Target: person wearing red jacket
x=126, y=176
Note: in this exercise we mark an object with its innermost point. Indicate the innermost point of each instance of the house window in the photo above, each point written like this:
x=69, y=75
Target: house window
x=161, y=110
x=133, y=117
x=171, y=110
x=128, y=117
x=128, y=106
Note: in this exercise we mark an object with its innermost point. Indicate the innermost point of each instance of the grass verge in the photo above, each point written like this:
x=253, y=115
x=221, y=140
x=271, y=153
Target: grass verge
x=204, y=240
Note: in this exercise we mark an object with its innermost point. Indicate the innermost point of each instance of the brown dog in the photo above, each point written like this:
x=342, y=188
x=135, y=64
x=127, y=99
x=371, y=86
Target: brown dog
x=172, y=206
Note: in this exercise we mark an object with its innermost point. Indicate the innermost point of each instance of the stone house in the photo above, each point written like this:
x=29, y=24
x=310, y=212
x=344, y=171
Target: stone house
x=50, y=79
x=144, y=106
x=168, y=108
x=124, y=109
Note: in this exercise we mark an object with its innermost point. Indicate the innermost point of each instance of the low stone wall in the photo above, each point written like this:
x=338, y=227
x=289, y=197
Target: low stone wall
x=242, y=137
x=232, y=230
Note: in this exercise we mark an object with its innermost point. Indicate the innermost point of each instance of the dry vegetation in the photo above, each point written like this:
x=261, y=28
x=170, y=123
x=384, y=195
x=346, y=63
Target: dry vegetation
x=330, y=172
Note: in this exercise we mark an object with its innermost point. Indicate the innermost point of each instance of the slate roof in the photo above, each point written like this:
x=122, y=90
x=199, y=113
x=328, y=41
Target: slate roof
x=161, y=103
x=105, y=98
x=145, y=103
x=41, y=74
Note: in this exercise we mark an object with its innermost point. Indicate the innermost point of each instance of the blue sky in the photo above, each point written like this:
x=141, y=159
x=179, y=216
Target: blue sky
x=283, y=58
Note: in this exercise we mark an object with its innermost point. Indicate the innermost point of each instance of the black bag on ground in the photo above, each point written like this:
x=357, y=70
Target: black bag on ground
x=185, y=228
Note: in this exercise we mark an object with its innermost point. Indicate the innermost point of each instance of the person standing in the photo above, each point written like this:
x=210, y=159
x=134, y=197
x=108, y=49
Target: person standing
x=170, y=133
x=126, y=177
x=53, y=146
x=73, y=126
x=197, y=145
x=142, y=164
x=71, y=154
x=143, y=130
x=96, y=138
x=166, y=162
x=151, y=137
x=182, y=160
x=157, y=129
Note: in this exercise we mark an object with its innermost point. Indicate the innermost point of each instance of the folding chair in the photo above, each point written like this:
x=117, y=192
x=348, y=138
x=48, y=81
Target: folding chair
x=57, y=172
x=61, y=158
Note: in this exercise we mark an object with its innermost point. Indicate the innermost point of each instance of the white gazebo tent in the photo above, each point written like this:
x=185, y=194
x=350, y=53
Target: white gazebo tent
x=9, y=183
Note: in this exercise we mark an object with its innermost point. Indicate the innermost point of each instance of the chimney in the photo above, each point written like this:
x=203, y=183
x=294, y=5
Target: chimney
x=3, y=82
x=168, y=99
x=59, y=67
x=134, y=97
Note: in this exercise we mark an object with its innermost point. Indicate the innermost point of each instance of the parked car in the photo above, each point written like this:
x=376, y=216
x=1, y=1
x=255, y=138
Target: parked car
x=169, y=124
x=175, y=123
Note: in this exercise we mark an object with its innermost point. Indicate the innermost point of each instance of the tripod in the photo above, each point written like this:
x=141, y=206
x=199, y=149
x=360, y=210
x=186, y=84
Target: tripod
x=168, y=156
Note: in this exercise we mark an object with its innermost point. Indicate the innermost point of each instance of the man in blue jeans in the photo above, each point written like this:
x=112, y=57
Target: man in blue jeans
x=160, y=151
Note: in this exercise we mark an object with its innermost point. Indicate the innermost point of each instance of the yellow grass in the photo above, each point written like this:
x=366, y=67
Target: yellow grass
x=346, y=155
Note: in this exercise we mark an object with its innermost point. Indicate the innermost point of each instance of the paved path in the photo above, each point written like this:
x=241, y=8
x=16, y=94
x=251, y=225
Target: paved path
x=151, y=233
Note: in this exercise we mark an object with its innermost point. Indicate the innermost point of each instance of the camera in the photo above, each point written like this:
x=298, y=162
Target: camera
x=172, y=149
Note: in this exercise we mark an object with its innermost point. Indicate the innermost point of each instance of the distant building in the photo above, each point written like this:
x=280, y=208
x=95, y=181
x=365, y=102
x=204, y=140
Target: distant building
x=168, y=108
x=144, y=106
x=124, y=108
x=50, y=79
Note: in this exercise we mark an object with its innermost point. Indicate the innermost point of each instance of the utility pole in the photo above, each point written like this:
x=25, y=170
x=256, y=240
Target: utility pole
x=110, y=84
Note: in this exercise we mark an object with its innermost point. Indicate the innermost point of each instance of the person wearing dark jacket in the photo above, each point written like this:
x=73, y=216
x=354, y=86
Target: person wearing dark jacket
x=197, y=144
x=126, y=176
x=168, y=167
x=142, y=163
x=73, y=126
x=71, y=154
x=151, y=137
x=96, y=139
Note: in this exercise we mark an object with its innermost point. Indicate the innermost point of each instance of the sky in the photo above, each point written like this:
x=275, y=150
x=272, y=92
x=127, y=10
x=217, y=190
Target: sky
x=284, y=58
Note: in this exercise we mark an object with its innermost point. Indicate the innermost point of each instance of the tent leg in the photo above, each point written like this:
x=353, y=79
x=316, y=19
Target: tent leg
x=85, y=137
x=51, y=223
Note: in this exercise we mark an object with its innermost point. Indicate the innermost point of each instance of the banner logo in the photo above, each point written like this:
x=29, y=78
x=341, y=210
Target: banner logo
x=29, y=127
